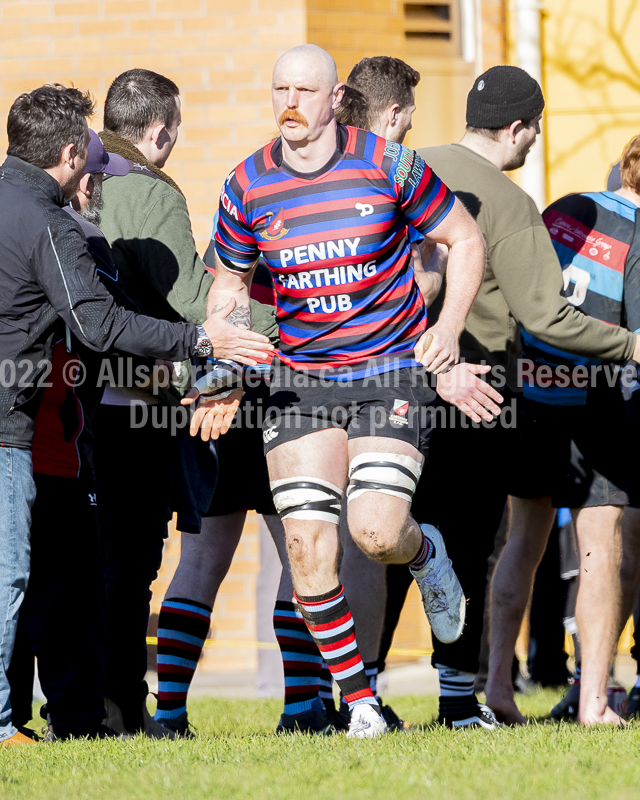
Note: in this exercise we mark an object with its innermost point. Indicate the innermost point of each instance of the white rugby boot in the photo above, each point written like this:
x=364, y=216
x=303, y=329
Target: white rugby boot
x=444, y=602
x=365, y=722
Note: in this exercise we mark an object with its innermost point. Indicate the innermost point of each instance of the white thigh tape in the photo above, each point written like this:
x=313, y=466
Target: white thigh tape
x=388, y=473
x=306, y=498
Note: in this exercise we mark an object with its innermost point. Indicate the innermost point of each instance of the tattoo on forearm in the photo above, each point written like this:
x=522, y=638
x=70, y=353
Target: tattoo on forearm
x=240, y=317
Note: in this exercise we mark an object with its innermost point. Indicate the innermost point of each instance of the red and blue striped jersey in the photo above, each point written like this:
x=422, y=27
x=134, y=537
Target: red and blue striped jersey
x=595, y=236
x=337, y=244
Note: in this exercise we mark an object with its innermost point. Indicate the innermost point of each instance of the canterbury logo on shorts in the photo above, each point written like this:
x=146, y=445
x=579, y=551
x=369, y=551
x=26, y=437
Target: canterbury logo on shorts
x=269, y=434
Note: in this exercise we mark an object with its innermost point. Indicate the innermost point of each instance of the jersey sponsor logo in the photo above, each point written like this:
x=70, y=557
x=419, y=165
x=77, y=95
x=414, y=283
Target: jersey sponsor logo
x=586, y=241
x=275, y=228
x=392, y=150
x=404, y=167
x=411, y=165
x=228, y=205
x=306, y=253
x=316, y=278
x=417, y=172
x=329, y=304
x=364, y=208
x=269, y=434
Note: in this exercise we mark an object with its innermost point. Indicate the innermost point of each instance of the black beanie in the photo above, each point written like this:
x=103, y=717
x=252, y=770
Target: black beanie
x=501, y=95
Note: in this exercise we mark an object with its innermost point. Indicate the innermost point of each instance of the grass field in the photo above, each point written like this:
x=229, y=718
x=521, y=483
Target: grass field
x=237, y=756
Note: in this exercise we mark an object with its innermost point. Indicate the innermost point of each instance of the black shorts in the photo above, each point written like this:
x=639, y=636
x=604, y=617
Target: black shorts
x=243, y=480
x=574, y=454
x=396, y=404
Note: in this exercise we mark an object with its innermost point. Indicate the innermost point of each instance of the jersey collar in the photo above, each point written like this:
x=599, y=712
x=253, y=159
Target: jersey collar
x=342, y=137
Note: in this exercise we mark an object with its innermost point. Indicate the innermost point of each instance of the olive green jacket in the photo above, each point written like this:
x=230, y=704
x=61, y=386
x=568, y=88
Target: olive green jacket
x=523, y=284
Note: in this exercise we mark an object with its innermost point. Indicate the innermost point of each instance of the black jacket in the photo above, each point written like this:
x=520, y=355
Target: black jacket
x=46, y=273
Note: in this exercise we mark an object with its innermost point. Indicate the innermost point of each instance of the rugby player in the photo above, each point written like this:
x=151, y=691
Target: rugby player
x=521, y=289
x=353, y=322
x=380, y=96
x=569, y=451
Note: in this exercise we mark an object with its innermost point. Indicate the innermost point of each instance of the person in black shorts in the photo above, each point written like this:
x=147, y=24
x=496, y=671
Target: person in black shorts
x=328, y=207
x=573, y=449
x=205, y=558
x=380, y=97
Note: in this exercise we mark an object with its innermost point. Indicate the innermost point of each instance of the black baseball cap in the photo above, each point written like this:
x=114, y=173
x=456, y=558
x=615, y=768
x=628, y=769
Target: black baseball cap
x=98, y=160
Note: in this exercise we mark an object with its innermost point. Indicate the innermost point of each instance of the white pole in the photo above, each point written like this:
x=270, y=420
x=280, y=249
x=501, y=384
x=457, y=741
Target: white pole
x=479, y=53
x=471, y=28
x=529, y=56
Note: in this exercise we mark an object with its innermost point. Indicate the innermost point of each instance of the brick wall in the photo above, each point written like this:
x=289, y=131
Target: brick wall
x=353, y=29
x=220, y=55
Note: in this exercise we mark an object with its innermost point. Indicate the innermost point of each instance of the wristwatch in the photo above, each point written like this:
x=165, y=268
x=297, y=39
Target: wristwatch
x=203, y=346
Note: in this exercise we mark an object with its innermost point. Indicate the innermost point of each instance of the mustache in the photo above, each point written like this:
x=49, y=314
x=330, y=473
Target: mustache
x=293, y=114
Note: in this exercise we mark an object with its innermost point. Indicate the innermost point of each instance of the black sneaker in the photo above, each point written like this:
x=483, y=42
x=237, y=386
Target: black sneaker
x=28, y=732
x=310, y=722
x=47, y=735
x=394, y=723
x=633, y=703
x=180, y=726
x=107, y=733
x=567, y=708
x=466, y=712
x=340, y=719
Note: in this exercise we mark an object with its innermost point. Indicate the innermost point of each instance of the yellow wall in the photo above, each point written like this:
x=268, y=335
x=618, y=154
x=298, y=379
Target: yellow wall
x=220, y=54
x=592, y=88
x=353, y=29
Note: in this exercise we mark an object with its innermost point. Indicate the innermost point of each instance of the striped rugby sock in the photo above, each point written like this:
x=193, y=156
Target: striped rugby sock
x=426, y=552
x=371, y=671
x=301, y=660
x=331, y=625
x=326, y=687
x=454, y=682
x=183, y=626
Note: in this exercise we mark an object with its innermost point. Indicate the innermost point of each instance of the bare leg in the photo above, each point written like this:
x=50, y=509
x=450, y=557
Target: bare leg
x=531, y=523
x=380, y=523
x=312, y=545
x=598, y=607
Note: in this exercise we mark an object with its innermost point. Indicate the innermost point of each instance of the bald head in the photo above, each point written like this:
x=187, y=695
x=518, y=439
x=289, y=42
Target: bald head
x=305, y=93
x=308, y=60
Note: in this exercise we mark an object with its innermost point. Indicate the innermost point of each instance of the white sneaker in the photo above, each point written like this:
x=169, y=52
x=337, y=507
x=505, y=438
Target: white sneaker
x=366, y=722
x=442, y=596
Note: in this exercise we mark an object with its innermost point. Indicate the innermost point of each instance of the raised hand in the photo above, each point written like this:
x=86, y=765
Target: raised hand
x=213, y=417
x=462, y=388
x=438, y=349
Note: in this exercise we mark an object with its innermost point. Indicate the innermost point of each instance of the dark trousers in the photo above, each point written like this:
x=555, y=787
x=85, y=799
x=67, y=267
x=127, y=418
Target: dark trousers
x=399, y=579
x=134, y=470
x=462, y=491
x=61, y=621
